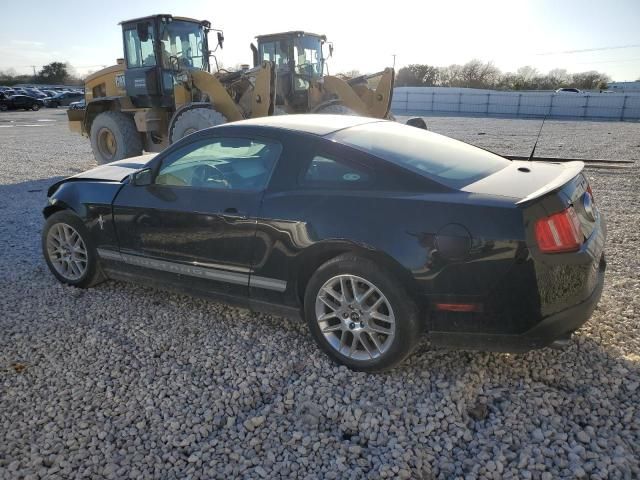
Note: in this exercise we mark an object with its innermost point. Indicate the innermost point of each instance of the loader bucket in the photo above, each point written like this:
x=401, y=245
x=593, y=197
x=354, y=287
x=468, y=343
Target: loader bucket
x=368, y=95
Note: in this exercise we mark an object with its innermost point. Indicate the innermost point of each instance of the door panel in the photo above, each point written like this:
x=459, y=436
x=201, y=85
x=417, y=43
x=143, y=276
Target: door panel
x=186, y=225
x=198, y=218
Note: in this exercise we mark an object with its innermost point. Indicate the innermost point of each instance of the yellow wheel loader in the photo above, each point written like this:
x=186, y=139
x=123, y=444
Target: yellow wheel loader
x=303, y=86
x=163, y=90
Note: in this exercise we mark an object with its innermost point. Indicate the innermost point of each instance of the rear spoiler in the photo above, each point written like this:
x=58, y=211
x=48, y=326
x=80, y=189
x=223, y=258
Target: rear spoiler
x=569, y=171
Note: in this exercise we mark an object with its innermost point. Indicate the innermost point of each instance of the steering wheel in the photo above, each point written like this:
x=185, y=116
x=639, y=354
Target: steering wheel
x=206, y=175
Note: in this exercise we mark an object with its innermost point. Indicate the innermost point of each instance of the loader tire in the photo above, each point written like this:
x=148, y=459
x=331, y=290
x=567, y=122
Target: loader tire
x=336, y=109
x=114, y=137
x=190, y=121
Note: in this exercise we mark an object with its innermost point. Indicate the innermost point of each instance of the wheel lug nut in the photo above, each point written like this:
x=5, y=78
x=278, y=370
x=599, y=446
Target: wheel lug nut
x=361, y=324
x=352, y=325
x=345, y=315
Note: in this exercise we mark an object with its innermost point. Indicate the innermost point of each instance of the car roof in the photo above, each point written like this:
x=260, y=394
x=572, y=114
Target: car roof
x=317, y=124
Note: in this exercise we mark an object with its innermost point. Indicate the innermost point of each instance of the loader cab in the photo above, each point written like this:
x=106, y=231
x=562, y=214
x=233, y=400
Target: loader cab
x=299, y=60
x=157, y=49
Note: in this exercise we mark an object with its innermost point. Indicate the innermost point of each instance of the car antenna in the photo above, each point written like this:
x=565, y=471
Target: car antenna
x=538, y=138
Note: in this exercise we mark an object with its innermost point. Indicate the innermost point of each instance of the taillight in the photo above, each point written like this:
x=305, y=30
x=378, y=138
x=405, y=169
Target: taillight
x=590, y=193
x=559, y=232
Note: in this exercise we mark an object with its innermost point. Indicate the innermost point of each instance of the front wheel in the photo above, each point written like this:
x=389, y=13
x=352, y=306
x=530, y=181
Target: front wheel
x=68, y=251
x=360, y=315
x=35, y=107
x=114, y=136
x=335, y=109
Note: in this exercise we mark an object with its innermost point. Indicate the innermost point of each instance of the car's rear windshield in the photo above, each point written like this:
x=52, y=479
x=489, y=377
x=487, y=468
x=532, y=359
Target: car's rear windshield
x=443, y=159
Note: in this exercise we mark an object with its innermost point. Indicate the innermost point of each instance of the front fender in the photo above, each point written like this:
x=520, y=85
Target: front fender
x=92, y=202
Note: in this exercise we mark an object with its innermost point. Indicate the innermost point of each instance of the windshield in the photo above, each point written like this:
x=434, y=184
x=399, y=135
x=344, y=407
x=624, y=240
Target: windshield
x=307, y=52
x=183, y=45
x=448, y=161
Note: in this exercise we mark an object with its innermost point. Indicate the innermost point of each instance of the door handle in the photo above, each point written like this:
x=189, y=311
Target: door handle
x=233, y=212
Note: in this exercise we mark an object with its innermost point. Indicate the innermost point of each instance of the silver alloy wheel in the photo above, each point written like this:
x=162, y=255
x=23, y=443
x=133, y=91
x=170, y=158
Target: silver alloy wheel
x=67, y=251
x=355, y=317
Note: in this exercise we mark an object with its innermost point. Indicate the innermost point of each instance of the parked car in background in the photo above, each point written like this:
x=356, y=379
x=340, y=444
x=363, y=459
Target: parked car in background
x=16, y=102
x=78, y=105
x=36, y=93
x=569, y=91
x=63, y=99
x=373, y=231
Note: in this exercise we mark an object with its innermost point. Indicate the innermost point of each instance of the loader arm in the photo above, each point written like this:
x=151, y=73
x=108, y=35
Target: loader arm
x=207, y=83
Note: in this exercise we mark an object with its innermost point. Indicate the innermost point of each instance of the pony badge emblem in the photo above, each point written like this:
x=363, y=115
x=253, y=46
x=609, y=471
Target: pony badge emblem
x=101, y=222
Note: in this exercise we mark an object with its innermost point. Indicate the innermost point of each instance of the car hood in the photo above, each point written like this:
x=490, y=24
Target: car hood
x=111, y=172
x=524, y=181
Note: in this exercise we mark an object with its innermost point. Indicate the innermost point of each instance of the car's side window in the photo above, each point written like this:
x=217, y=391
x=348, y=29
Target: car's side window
x=325, y=171
x=221, y=163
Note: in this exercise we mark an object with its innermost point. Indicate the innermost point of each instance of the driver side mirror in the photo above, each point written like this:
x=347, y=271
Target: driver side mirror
x=142, y=178
x=330, y=49
x=220, y=39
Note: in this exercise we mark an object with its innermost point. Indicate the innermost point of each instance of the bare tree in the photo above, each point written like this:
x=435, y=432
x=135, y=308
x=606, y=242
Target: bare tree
x=416, y=75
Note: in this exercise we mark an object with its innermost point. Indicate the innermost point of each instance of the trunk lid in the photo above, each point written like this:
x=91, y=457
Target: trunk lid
x=530, y=183
x=525, y=181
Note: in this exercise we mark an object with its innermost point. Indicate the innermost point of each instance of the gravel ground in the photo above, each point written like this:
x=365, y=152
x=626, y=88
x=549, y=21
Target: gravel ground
x=127, y=382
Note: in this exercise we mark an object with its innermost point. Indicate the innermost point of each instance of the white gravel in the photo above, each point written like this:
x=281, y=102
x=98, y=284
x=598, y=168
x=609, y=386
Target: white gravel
x=127, y=382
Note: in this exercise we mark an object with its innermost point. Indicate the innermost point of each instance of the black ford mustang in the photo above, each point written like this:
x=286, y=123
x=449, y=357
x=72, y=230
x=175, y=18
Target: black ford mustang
x=371, y=230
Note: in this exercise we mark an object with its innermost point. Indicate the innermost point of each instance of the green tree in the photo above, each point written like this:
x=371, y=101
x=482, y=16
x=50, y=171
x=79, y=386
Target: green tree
x=55, y=72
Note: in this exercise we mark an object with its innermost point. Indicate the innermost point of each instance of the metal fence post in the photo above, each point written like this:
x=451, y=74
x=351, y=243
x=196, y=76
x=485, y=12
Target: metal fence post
x=553, y=95
x=488, y=101
x=433, y=94
x=460, y=102
x=518, y=109
x=586, y=107
x=624, y=105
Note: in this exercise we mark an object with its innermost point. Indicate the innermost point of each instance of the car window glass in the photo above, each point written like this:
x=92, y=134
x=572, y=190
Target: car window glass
x=323, y=171
x=448, y=161
x=221, y=163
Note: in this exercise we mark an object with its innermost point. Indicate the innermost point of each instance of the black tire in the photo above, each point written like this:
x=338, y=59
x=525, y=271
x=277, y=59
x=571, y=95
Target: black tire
x=417, y=122
x=3, y=108
x=119, y=127
x=35, y=107
x=407, y=322
x=93, y=273
x=193, y=120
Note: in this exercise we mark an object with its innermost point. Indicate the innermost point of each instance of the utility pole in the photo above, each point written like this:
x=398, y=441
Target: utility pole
x=394, y=60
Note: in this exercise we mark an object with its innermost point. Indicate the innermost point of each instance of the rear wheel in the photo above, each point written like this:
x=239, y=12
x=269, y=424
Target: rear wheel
x=3, y=107
x=193, y=120
x=114, y=137
x=35, y=107
x=68, y=251
x=336, y=109
x=360, y=315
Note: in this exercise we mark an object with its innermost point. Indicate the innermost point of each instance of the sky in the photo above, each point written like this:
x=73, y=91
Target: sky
x=575, y=35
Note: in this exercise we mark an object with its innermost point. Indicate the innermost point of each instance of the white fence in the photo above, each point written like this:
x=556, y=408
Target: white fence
x=415, y=100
